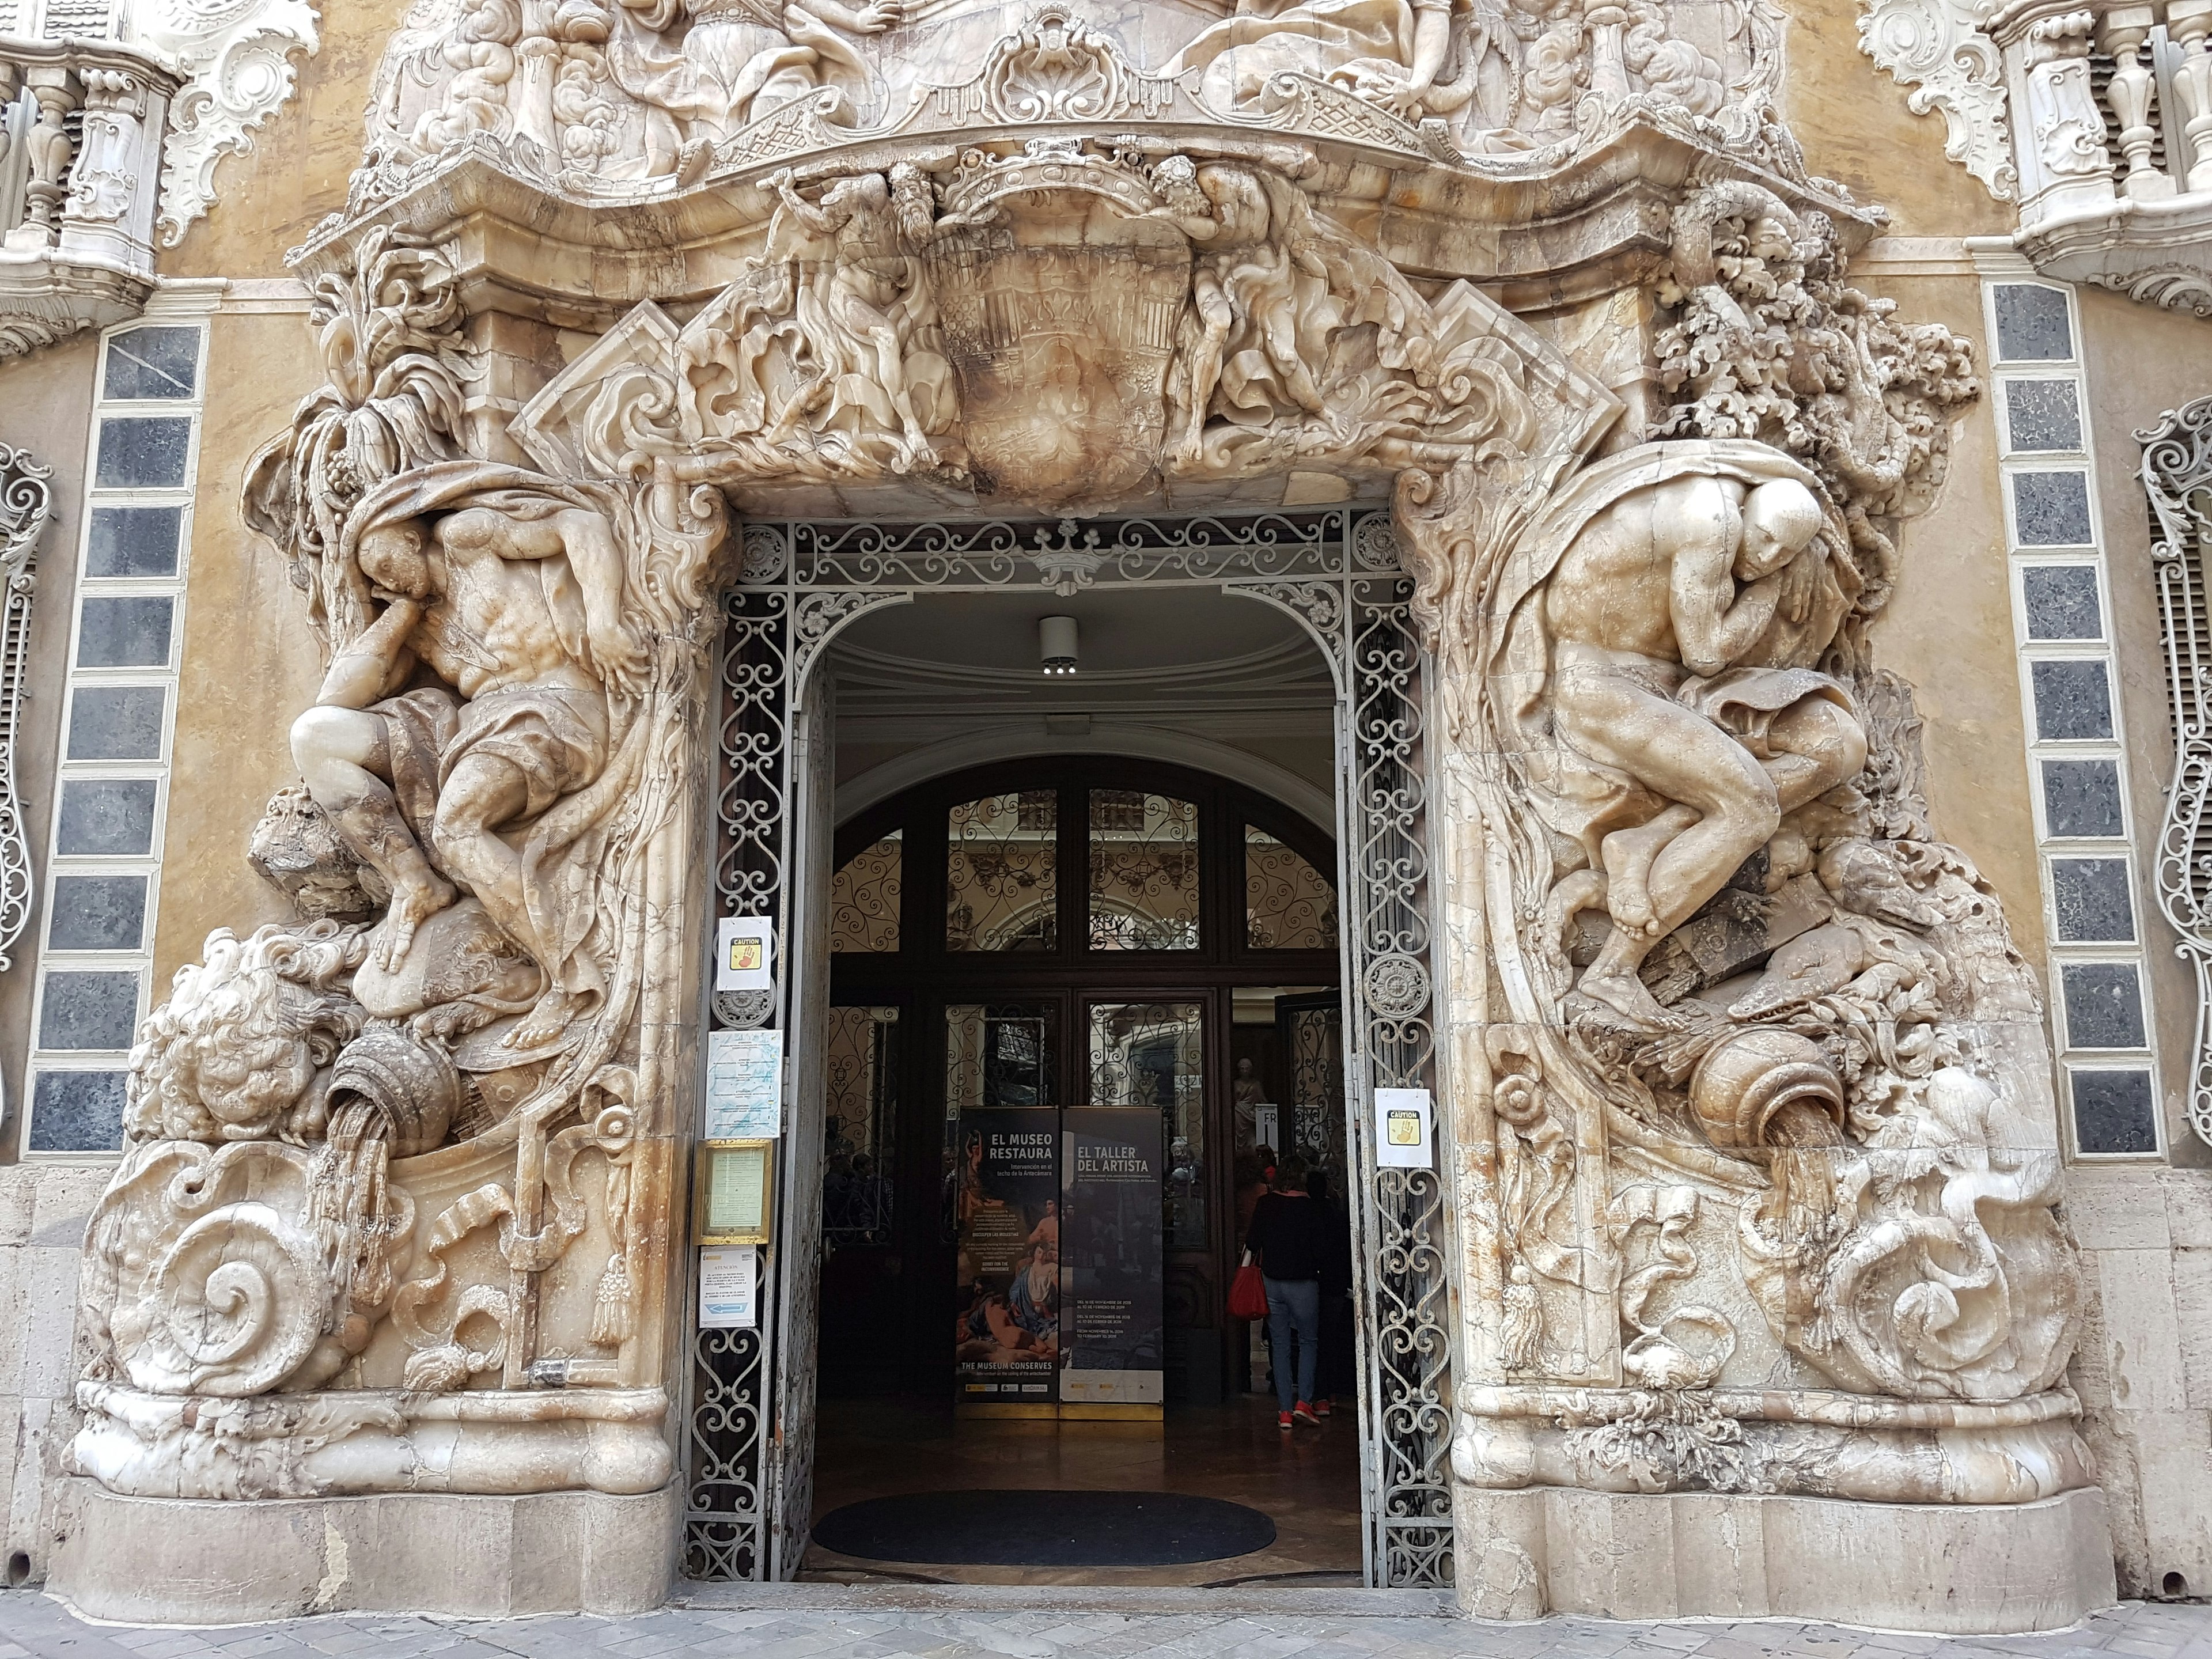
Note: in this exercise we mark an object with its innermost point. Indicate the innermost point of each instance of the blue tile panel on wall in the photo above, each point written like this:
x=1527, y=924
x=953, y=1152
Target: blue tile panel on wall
x=116, y=722
x=2082, y=799
x=2093, y=901
x=2103, y=1005
x=2033, y=326
x=76, y=1112
x=2073, y=701
x=2043, y=415
x=2062, y=601
x=2053, y=508
x=88, y=1010
x=133, y=540
x=142, y=452
x=2113, y=1111
x=107, y=817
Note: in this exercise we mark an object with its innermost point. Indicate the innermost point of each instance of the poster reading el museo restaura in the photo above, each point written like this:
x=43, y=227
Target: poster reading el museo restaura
x=1007, y=1189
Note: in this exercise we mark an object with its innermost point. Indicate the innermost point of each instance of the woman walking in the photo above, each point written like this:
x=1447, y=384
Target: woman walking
x=1287, y=1240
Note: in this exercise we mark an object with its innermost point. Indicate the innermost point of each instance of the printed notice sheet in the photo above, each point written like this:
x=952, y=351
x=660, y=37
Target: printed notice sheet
x=728, y=1274
x=744, y=1085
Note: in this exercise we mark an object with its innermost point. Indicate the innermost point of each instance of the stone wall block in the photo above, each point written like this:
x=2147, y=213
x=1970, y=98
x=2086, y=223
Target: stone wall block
x=2119, y=1208
x=2188, y=1194
x=2174, y=1460
x=2142, y=1330
x=2192, y=1298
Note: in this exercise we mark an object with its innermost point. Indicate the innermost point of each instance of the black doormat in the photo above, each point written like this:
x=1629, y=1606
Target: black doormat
x=1045, y=1529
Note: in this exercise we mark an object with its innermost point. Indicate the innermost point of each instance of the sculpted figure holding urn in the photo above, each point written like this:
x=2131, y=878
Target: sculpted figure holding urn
x=515, y=601
x=1685, y=720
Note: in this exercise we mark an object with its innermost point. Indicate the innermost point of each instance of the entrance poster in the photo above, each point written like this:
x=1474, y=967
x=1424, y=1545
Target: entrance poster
x=1112, y=1320
x=1007, y=1342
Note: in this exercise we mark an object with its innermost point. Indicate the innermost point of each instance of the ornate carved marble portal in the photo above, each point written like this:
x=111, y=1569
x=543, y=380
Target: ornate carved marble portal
x=1752, y=1155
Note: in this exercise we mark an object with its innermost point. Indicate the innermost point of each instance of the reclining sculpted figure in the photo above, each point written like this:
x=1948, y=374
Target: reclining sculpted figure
x=1666, y=615
x=513, y=596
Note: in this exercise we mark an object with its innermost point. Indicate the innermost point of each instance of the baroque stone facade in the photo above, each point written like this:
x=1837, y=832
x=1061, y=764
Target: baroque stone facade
x=1755, y=1156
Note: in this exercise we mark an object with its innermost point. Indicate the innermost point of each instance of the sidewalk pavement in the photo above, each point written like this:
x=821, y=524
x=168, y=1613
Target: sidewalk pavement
x=847, y=1625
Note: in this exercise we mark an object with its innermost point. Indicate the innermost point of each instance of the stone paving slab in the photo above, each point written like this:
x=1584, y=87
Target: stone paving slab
x=822, y=1622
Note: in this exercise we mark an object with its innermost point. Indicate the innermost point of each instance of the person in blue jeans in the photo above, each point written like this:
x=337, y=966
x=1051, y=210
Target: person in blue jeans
x=1287, y=1237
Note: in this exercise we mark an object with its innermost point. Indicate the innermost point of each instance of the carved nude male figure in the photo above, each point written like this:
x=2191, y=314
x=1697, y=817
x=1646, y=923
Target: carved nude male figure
x=480, y=600
x=1656, y=611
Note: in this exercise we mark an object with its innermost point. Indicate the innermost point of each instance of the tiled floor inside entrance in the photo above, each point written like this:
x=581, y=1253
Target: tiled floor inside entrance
x=1308, y=1482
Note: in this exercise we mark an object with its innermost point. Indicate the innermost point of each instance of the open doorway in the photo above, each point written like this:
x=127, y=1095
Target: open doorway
x=1081, y=1007
x=1261, y=671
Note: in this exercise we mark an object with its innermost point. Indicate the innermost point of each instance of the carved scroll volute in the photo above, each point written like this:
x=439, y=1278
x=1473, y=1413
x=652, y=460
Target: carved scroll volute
x=1555, y=1317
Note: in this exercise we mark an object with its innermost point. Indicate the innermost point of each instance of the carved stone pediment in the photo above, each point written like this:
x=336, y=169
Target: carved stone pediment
x=1559, y=196
x=1065, y=324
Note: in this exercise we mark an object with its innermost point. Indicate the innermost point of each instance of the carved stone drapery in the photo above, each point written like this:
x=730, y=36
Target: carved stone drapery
x=1751, y=1162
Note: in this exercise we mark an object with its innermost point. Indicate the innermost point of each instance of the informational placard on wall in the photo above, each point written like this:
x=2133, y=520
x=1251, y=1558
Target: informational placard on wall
x=1007, y=1194
x=744, y=1085
x=1112, y=1321
x=1403, y=1129
x=729, y=1281
x=744, y=954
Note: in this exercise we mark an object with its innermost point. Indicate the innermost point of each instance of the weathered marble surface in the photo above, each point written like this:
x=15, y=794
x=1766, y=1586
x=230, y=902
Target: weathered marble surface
x=1754, y=1165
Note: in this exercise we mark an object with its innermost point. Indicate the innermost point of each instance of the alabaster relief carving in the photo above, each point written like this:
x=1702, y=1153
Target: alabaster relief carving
x=403, y=1148
x=594, y=95
x=1067, y=322
x=1768, y=1126
x=1757, y=1164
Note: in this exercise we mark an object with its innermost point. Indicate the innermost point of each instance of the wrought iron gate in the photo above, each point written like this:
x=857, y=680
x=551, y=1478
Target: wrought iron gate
x=747, y=1455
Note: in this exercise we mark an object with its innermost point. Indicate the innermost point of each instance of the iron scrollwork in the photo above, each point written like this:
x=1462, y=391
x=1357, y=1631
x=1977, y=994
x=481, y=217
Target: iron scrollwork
x=2177, y=474
x=1337, y=570
x=26, y=501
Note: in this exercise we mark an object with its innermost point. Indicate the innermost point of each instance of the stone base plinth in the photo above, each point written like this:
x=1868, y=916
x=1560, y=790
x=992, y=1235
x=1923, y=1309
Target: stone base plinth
x=159, y=1560
x=1962, y=1569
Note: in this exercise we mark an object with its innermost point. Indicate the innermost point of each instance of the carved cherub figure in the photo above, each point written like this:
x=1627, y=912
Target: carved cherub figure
x=515, y=600
x=1244, y=275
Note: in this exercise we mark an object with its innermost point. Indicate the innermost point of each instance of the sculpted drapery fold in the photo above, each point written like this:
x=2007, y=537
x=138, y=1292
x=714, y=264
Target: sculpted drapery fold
x=1754, y=1157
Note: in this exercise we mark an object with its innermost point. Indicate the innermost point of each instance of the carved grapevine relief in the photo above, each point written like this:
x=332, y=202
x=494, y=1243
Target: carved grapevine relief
x=1761, y=1115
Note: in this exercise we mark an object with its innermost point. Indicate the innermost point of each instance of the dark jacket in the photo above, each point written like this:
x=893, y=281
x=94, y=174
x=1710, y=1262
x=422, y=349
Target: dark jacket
x=1289, y=1234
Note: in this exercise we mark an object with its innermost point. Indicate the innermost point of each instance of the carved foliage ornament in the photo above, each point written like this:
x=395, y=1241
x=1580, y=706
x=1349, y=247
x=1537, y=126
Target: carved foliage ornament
x=236, y=59
x=1936, y=48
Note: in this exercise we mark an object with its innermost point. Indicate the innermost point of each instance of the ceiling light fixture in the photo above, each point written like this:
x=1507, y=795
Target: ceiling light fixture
x=1056, y=644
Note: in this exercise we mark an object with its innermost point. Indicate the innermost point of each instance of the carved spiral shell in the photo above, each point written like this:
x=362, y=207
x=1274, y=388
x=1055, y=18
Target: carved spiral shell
x=240, y=1295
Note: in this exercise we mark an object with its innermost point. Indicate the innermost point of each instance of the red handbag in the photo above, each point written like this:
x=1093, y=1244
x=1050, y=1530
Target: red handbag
x=1247, y=1292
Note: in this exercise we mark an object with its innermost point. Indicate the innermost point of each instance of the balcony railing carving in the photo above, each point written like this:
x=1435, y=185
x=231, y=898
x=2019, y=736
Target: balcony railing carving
x=80, y=130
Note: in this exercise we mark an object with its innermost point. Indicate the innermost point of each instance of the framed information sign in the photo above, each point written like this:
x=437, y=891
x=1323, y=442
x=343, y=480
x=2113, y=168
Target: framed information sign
x=733, y=1191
